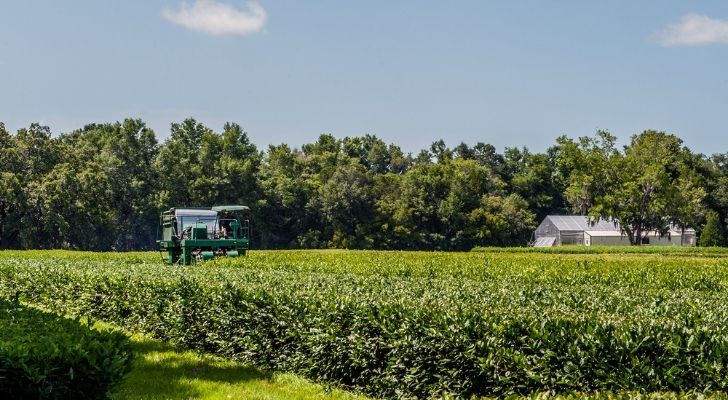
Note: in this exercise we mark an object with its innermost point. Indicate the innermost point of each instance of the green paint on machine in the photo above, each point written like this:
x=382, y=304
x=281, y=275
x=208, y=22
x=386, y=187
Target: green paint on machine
x=191, y=234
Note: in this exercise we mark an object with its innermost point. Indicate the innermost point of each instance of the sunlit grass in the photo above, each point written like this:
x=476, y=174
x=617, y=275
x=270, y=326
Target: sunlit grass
x=162, y=372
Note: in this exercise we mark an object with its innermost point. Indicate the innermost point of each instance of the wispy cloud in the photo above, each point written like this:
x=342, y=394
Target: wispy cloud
x=693, y=30
x=215, y=18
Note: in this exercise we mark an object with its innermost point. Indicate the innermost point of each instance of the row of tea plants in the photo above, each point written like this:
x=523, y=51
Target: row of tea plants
x=398, y=324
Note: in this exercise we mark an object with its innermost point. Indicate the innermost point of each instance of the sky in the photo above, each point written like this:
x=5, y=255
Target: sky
x=508, y=73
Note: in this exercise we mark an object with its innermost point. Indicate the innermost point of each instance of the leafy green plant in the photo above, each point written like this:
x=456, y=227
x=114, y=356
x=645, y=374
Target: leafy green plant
x=410, y=324
x=43, y=356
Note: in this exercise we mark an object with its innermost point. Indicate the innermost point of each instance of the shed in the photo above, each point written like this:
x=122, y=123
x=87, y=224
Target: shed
x=557, y=230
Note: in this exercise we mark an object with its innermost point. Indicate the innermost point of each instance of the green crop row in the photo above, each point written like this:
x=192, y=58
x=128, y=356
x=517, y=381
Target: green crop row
x=396, y=324
x=43, y=356
x=663, y=250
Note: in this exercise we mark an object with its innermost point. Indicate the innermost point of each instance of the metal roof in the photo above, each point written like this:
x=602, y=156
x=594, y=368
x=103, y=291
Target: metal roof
x=230, y=208
x=544, y=242
x=581, y=223
x=612, y=233
x=195, y=212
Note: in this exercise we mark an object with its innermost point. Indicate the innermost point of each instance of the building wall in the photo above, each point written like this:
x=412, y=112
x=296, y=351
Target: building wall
x=608, y=240
x=546, y=229
x=688, y=239
x=571, y=237
x=655, y=240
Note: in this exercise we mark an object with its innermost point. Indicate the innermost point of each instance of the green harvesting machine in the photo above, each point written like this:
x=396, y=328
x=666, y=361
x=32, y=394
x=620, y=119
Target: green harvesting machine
x=191, y=234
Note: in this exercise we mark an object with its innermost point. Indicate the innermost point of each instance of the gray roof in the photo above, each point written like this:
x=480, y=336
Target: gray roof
x=194, y=212
x=544, y=241
x=230, y=208
x=581, y=223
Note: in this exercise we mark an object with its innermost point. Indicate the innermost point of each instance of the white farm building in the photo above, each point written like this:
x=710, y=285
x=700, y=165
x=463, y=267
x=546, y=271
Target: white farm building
x=558, y=230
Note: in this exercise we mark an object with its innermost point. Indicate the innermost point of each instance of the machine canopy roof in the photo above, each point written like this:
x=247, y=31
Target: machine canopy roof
x=194, y=212
x=230, y=208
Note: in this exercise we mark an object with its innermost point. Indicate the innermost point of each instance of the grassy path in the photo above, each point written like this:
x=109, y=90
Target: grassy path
x=162, y=372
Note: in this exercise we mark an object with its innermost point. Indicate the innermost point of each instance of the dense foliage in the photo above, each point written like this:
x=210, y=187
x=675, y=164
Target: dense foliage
x=102, y=187
x=44, y=356
x=712, y=233
x=654, y=184
x=408, y=324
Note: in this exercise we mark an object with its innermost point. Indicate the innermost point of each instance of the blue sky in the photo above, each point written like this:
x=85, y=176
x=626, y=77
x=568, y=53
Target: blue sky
x=509, y=73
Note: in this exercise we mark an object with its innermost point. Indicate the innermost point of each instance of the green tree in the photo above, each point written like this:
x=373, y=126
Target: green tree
x=11, y=193
x=502, y=221
x=281, y=207
x=715, y=174
x=532, y=176
x=712, y=233
x=588, y=164
x=453, y=204
x=347, y=206
x=120, y=156
x=440, y=151
x=649, y=187
x=416, y=204
x=226, y=168
x=468, y=183
x=36, y=154
x=178, y=165
x=375, y=155
x=11, y=204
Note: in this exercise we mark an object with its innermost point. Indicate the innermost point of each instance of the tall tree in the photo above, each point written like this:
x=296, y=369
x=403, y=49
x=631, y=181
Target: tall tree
x=532, y=176
x=121, y=156
x=37, y=154
x=649, y=187
x=375, y=155
x=347, y=206
x=284, y=195
x=227, y=167
x=11, y=197
x=712, y=233
x=715, y=172
x=587, y=164
x=178, y=165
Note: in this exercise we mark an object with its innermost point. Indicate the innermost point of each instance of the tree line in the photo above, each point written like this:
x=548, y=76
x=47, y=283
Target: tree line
x=103, y=186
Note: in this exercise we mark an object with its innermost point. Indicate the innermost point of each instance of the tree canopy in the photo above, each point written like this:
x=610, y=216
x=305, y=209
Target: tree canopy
x=102, y=187
x=649, y=186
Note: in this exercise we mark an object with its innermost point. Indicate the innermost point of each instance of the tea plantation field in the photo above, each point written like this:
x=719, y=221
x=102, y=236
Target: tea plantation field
x=418, y=324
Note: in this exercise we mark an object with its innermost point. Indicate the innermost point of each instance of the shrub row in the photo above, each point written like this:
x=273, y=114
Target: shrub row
x=43, y=356
x=513, y=328
x=675, y=251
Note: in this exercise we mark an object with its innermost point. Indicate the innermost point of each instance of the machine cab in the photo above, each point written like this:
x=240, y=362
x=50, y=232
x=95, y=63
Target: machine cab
x=233, y=221
x=188, y=234
x=178, y=224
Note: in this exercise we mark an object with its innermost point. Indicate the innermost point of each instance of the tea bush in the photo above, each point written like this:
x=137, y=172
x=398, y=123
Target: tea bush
x=398, y=324
x=43, y=356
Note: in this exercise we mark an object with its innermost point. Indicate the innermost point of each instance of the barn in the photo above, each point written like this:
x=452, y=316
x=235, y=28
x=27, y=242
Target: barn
x=559, y=230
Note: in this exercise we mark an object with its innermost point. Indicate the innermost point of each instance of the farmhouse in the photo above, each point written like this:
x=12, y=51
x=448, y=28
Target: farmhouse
x=558, y=230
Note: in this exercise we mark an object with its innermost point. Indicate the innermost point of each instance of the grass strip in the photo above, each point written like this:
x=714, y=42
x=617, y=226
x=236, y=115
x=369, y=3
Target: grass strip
x=160, y=371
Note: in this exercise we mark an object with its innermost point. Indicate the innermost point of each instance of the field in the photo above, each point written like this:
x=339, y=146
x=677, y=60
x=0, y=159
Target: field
x=418, y=324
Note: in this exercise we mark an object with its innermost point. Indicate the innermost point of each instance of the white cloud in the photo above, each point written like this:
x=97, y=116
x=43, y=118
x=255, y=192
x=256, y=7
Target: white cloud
x=693, y=30
x=215, y=18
